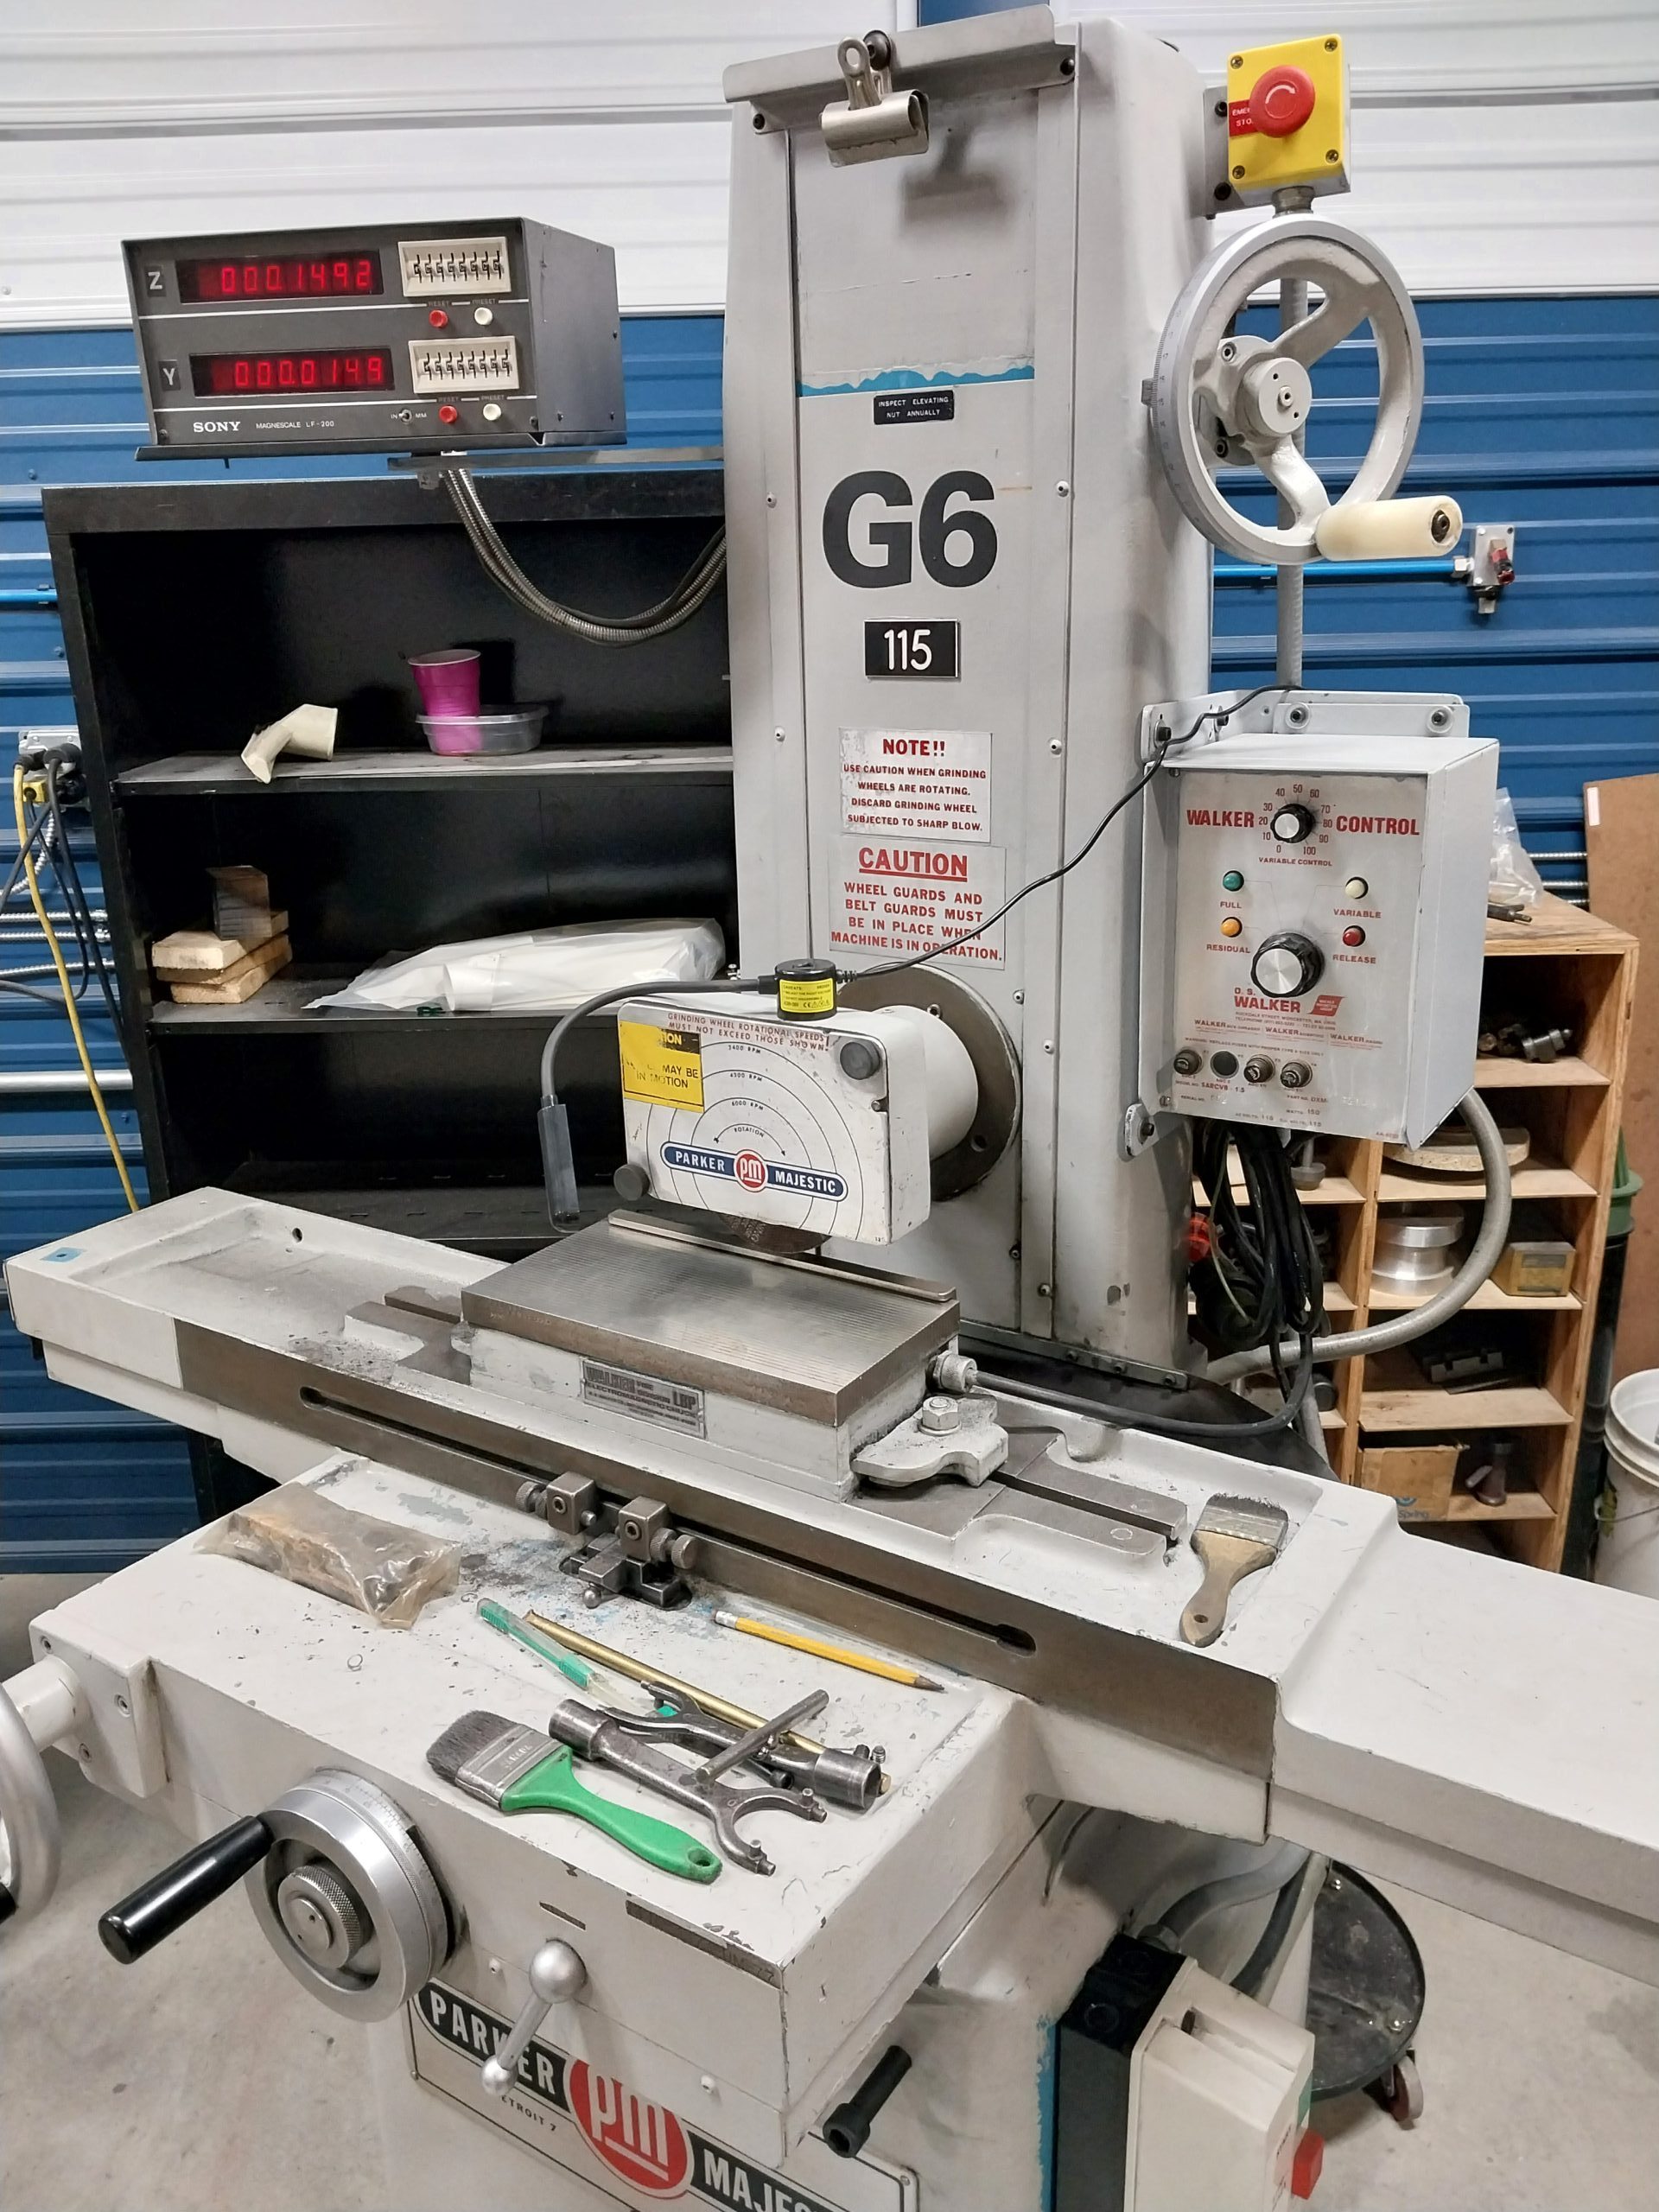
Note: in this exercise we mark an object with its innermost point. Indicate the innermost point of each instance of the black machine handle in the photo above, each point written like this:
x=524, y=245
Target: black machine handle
x=158, y=1907
x=848, y=2128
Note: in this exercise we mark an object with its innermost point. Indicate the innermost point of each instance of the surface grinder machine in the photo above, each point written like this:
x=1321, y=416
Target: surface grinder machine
x=886, y=1339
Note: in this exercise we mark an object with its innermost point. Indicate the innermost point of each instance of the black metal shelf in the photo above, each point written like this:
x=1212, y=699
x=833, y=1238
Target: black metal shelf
x=190, y=775
x=284, y=1004
x=194, y=613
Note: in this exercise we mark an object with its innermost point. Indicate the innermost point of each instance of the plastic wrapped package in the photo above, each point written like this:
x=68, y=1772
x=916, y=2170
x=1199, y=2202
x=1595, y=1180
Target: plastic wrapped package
x=539, y=971
x=381, y=1569
x=1514, y=886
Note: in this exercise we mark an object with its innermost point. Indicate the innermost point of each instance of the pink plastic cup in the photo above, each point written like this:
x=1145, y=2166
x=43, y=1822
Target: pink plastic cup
x=448, y=681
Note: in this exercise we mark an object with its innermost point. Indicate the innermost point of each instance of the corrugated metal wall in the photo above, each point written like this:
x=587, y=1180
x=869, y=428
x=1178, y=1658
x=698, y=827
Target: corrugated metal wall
x=1544, y=412
x=1494, y=149
x=85, y=1486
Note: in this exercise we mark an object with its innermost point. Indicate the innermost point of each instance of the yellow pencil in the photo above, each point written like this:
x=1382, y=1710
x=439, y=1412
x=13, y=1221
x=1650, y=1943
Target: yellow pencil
x=796, y=1642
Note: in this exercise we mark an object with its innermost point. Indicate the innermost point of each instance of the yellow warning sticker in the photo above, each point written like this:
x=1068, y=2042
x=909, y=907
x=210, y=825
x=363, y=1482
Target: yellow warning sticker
x=661, y=1066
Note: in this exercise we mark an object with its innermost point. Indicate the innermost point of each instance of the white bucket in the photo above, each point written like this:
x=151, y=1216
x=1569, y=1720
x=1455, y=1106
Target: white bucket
x=1628, y=1556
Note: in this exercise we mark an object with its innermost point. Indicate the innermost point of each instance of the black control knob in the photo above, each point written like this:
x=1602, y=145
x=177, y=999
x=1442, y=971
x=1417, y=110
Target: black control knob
x=1287, y=966
x=163, y=1904
x=1293, y=822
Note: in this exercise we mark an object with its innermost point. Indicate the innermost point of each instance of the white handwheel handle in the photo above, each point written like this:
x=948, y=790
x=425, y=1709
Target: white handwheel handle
x=36, y=1708
x=1199, y=355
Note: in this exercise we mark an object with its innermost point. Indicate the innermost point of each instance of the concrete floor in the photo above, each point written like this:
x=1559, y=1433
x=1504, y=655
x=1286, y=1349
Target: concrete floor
x=204, y=2077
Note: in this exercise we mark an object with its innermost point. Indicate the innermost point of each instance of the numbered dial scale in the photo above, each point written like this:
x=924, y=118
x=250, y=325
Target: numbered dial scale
x=425, y=338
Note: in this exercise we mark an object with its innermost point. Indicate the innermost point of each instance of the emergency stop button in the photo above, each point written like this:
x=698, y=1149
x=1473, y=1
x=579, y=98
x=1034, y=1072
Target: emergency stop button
x=1281, y=100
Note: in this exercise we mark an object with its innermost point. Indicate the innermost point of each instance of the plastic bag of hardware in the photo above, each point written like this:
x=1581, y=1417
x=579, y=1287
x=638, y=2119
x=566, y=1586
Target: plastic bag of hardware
x=537, y=971
x=1514, y=886
x=385, y=1571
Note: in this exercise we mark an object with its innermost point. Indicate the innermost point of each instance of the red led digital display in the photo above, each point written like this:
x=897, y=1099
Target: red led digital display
x=250, y=376
x=285, y=277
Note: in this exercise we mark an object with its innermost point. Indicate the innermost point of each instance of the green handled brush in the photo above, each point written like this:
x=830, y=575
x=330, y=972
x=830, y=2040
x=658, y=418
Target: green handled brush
x=506, y=1765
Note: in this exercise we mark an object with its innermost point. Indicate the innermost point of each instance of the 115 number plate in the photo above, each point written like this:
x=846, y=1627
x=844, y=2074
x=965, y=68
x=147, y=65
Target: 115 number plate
x=929, y=652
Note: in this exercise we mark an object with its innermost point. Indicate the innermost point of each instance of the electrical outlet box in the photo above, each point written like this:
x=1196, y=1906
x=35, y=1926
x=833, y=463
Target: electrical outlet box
x=1315, y=921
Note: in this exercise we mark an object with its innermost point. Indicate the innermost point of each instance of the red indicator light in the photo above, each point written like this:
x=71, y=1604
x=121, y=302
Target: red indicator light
x=1353, y=935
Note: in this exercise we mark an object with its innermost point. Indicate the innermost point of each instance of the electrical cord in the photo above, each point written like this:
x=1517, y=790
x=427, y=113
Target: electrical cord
x=69, y=1007
x=1403, y=1328
x=1201, y=1431
x=68, y=874
x=681, y=604
x=553, y=1122
x=1220, y=716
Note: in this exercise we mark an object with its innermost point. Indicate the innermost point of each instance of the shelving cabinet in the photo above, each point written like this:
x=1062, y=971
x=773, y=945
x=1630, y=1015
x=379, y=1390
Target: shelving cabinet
x=1568, y=968
x=194, y=615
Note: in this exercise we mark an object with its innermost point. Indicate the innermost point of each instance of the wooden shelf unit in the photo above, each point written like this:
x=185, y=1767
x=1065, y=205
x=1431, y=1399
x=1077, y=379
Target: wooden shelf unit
x=1563, y=967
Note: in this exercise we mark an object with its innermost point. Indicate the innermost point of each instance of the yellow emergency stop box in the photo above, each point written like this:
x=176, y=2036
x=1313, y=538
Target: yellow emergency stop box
x=1287, y=118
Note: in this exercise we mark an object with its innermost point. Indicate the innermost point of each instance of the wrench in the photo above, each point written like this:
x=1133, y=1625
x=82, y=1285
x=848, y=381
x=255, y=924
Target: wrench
x=614, y=1740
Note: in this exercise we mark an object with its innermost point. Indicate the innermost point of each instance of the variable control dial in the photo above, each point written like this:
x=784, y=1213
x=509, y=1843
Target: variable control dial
x=1287, y=966
x=1293, y=822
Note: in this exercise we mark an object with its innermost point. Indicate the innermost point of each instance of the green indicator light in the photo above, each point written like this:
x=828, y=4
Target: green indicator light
x=1232, y=880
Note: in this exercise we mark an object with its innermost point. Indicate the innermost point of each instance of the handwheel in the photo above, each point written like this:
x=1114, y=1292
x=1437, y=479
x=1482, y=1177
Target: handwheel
x=1218, y=399
x=36, y=1709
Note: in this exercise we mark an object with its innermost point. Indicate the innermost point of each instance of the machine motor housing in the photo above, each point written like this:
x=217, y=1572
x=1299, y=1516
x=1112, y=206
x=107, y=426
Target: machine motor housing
x=383, y=338
x=820, y=1125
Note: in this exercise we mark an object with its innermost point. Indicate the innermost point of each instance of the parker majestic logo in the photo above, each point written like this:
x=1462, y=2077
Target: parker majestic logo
x=643, y=2142
x=753, y=1172
x=645, y=2145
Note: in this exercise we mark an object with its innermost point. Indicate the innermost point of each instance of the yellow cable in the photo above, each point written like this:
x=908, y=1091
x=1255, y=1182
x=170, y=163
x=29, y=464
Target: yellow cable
x=69, y=1006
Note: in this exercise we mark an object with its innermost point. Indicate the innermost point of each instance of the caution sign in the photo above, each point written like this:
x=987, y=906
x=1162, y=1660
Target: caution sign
x=935, y=783
x=664, y=1067
x=895, y=894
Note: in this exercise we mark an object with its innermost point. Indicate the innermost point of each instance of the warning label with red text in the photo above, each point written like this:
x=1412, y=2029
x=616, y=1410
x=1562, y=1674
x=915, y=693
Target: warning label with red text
x=898, y=896
x=926, y=782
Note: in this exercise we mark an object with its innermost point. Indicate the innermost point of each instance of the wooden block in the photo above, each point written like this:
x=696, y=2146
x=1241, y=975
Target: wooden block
x=239, y=983
x=188, y=955
x=1418, y=1477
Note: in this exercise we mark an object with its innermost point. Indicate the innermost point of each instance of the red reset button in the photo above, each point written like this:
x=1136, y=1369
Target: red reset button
x=1281, y=100
x=1309, y=2164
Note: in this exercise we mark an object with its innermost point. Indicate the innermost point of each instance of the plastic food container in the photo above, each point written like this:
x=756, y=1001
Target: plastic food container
x=516, y=729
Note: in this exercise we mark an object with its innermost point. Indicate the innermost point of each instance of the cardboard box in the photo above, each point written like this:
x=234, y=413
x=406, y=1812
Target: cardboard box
x=1535, y=1267
x=1418, y=1477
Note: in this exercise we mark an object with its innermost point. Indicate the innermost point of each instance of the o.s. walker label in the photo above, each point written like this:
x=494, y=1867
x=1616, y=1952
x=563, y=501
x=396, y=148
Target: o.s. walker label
x=897, y=895
x=596, y=2125
x=928, y=783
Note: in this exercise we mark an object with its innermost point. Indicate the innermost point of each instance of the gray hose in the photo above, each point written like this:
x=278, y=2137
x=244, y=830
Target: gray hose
x=679, y=607
x=1405, y=1328
x=1178, y=1924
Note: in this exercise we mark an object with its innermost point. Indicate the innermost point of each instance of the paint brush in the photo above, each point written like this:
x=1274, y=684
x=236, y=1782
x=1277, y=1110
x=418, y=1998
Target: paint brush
x=1234, y=1537
x=502, y=1762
